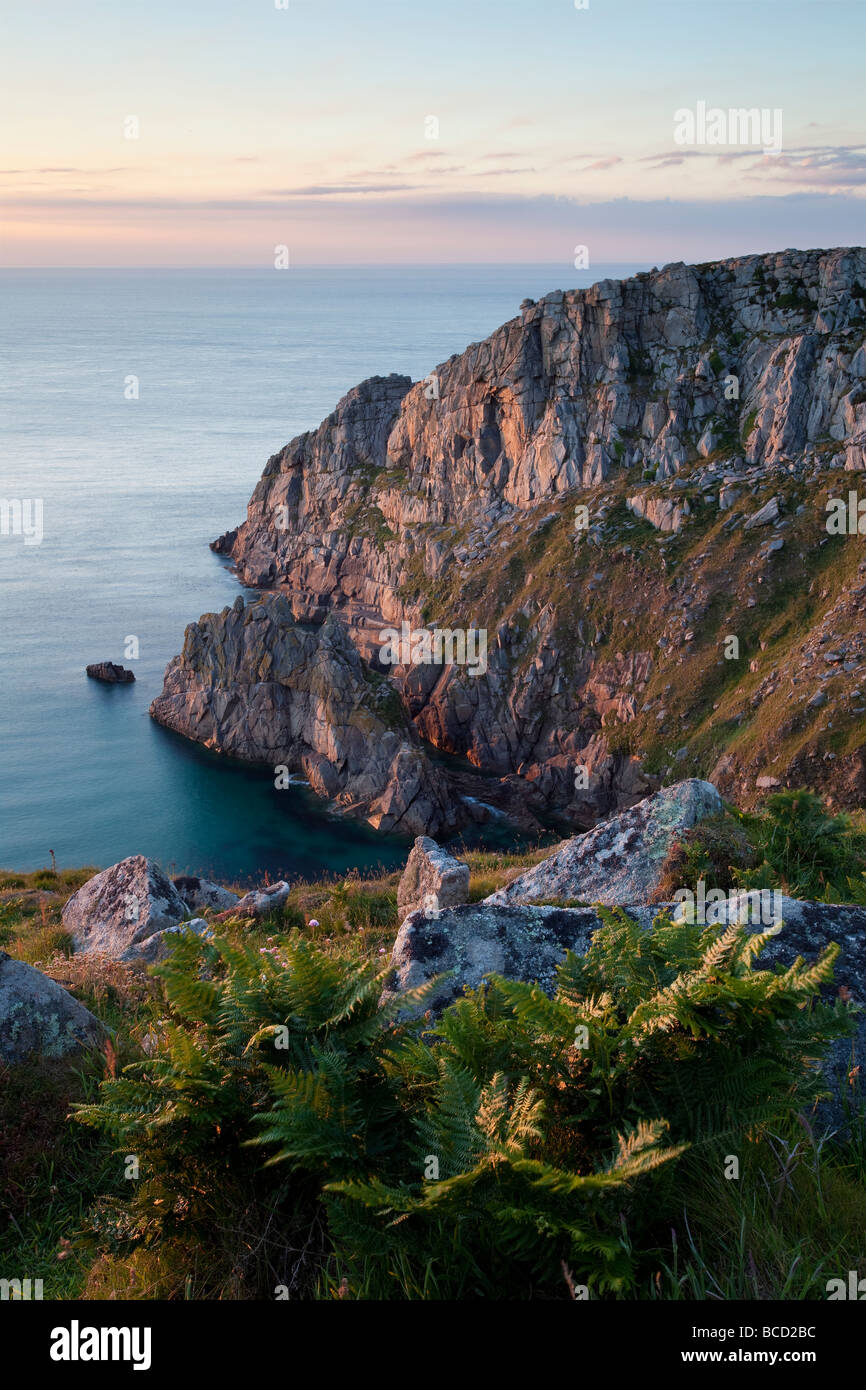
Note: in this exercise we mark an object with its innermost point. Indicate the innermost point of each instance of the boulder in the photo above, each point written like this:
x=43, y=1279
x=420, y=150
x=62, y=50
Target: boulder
x=109, y=672
x=620, y=861
x=431, y=878
x=764, y=516
x=158, y=946
x=259, y=901
x=806, y=928
x=527, y=943
x=661, y=512
x=38, y=1018
x=200, y=893
x=475, y=939
x=118, y=910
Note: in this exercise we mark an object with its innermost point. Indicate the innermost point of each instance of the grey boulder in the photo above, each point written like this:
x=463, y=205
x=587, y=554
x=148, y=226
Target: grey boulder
x=200, y=893
x=38, y=1017
x=479, y=939
x=806, y=928
x=432, y=879
x=158, y=946
x=527, y=943
x=620, y=861
x=118, y=910
x=260, y=901
x=764, y=516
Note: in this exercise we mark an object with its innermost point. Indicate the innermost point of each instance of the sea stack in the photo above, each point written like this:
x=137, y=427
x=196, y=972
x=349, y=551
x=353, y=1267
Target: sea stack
x=108, y=671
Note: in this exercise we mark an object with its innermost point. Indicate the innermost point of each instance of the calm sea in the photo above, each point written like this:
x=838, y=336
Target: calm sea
x=230, y=366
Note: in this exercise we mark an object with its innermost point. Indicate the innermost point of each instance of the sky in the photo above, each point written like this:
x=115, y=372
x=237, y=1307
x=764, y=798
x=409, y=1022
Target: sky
x=210, y=132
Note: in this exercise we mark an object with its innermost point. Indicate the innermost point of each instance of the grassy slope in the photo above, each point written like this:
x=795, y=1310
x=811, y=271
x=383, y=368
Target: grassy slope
x=708, y=704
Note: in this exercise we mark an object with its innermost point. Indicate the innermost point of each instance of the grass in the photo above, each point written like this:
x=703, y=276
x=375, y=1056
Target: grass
x=49, y=1173
x=793, y=1219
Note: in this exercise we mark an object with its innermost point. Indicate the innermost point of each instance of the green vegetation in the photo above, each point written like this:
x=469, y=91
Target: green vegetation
x=715, y=850
x=793, y=299
x=792, y=844
x=806, y=851
x=476, y=1160
x=293, y=1132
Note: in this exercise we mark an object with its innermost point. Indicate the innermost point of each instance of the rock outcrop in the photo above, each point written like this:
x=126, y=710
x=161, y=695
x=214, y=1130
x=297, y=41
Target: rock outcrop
x=661, y=512
x=470, y=942
x=117, y=911
x=254, y=683
x=528, y=942
x=432, y=880
x=200, y=894
x=606, y=485
x=621, y=860
x=110, y=673
x=260, y=901
x=38, y=1018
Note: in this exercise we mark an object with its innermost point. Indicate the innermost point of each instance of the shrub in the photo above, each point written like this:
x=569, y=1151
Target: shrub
x=713, y=850
x=481, y=1156
x=803, y=849
x=10, y=916
x=188, y=1110
x=792, y=844
x=46, y=878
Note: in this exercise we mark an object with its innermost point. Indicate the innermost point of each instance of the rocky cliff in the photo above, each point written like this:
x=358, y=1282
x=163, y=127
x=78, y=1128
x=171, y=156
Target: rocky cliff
x=253, y=683
x=627, y=488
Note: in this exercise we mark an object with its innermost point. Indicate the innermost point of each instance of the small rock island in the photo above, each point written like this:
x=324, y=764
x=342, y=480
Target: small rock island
x=110, y=672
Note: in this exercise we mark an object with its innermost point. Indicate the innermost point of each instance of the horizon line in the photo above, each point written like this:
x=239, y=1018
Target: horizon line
x=345, y=265
x=427, y=265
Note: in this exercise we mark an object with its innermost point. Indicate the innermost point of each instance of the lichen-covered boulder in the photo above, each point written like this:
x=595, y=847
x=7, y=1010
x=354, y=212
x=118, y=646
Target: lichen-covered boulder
x=620, y=861
x=528, y=942
x=431, y=877
x=119, y=909
x=158, y=946
x=200, y=893
x=259, y=901
x=806, y=929
x=38, y=1018
x=477, y=939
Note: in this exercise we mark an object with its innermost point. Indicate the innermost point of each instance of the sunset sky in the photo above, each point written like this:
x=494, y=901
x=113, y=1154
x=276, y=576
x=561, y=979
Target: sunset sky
x=308, y=126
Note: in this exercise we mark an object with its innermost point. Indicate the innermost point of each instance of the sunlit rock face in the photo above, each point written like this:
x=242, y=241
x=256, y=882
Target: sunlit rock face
x=678, y=400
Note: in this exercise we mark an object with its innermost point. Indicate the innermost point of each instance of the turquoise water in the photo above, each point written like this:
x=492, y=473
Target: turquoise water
x=231, y=365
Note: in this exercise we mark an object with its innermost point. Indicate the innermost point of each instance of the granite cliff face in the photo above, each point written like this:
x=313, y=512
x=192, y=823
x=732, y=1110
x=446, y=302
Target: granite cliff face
x=252, y=683
x=613, y=484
